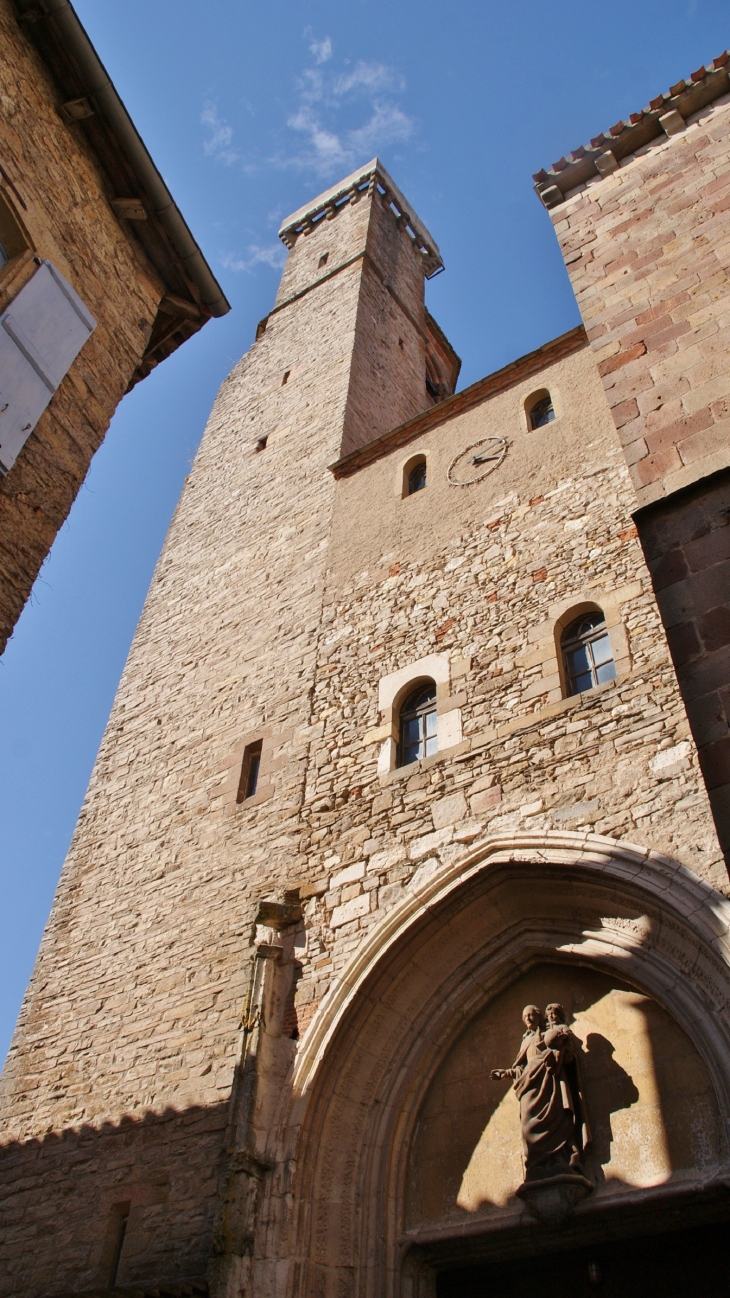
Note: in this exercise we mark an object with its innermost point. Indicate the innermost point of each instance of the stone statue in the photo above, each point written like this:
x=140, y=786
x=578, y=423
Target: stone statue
x=547, y=1083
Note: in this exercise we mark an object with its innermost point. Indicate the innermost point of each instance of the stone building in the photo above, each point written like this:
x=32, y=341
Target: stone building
x=100, y=278
x=643, y=219
x=399, y=750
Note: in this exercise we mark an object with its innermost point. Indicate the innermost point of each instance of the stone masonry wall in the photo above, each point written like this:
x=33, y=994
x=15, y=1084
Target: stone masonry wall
x=282, y=600
x=483, y=575
x=128, y=1042
x=646, y=250
x=647, y=253
x=60, y=196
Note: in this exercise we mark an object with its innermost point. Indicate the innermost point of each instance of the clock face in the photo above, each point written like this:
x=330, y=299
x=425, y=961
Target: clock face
x=477, y=461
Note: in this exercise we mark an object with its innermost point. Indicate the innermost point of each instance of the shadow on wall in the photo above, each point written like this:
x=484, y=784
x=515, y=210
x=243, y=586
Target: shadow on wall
x=610, y=1089
x=649, y=1096
x=131, y=1202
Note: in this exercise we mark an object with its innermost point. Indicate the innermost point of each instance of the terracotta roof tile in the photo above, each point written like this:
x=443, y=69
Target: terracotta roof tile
x=623, y=139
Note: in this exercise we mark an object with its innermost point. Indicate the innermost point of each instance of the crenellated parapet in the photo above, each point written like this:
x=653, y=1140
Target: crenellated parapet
x=368, y=181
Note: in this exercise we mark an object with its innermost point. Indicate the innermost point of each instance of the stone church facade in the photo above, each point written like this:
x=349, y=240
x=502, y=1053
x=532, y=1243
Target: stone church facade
x=400, y=749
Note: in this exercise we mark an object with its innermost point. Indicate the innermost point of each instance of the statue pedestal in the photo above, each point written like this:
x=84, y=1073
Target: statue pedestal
x=554, y=1198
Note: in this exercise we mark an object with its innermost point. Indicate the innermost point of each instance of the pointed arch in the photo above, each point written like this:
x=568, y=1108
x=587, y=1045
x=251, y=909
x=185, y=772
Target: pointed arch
x=423, y=972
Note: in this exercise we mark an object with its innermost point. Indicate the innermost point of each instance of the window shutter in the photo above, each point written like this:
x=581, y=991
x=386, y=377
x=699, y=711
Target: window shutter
x=41, y=334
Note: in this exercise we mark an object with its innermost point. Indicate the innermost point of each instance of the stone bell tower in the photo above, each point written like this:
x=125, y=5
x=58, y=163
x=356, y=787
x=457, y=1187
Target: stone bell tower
x=118, y=1102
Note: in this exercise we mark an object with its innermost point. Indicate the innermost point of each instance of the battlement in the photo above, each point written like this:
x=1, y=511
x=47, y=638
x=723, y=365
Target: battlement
x=367, y=180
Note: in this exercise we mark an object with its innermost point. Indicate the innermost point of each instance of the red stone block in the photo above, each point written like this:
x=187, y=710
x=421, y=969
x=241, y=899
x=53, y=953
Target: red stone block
x=645, y=331
x=719, y=183
x=655, y=467
x=622, y=358
x=679, y=429
x=655, y=341
x=624, y=412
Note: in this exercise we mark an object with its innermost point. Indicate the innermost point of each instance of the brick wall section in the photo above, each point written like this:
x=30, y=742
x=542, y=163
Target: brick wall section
x=646, y=250
x=69, y=220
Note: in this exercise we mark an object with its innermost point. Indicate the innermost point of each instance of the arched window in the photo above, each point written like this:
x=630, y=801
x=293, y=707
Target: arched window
x=587, y=654
x=542, y=412
x=414, y=475
x=417, y=477
x=418, y=725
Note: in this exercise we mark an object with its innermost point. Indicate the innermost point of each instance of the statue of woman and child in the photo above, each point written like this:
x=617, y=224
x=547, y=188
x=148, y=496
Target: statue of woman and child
x=547, y=1082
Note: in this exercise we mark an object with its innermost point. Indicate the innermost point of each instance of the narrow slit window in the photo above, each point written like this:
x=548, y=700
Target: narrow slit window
x=250, y=768
x=123, y=1216
x=323, y=260
x=587, y=653
x=418, y=725
x=286, y=377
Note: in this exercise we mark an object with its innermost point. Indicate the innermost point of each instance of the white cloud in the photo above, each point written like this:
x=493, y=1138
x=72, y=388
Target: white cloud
x=219, y=142
x=273, y=255
x=332, y=138
x=388, y=125
x=322, y=50
x=368, y=77
x=339, y=119
x=324, y=148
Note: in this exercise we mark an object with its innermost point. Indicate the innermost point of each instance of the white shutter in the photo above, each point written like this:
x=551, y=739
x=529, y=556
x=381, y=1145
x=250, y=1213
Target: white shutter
x=41, y=334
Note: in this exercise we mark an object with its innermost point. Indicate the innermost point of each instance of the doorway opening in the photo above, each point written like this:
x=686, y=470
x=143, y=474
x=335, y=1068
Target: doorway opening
x=682, y=1263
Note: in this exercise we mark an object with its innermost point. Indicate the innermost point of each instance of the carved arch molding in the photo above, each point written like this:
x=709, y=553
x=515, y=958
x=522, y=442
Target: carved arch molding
x=350, y=1110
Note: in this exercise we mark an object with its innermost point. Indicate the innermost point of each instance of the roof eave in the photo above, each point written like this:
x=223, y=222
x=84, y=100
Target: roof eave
x=54, y=28
x=664, y=116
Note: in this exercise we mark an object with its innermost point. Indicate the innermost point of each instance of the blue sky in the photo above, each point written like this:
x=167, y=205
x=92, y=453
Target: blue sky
x=249, y=110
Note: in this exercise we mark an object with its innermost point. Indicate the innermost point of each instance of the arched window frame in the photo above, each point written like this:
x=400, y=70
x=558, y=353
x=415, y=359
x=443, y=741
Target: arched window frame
x=573, y=638
x=418, y=724
x=396, y=687
x=406, y=469
x=545, y=649
x=609, y=603
x=533, y=399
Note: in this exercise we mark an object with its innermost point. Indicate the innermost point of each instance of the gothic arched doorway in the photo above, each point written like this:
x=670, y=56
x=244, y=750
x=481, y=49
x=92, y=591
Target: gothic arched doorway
x=637, y=939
